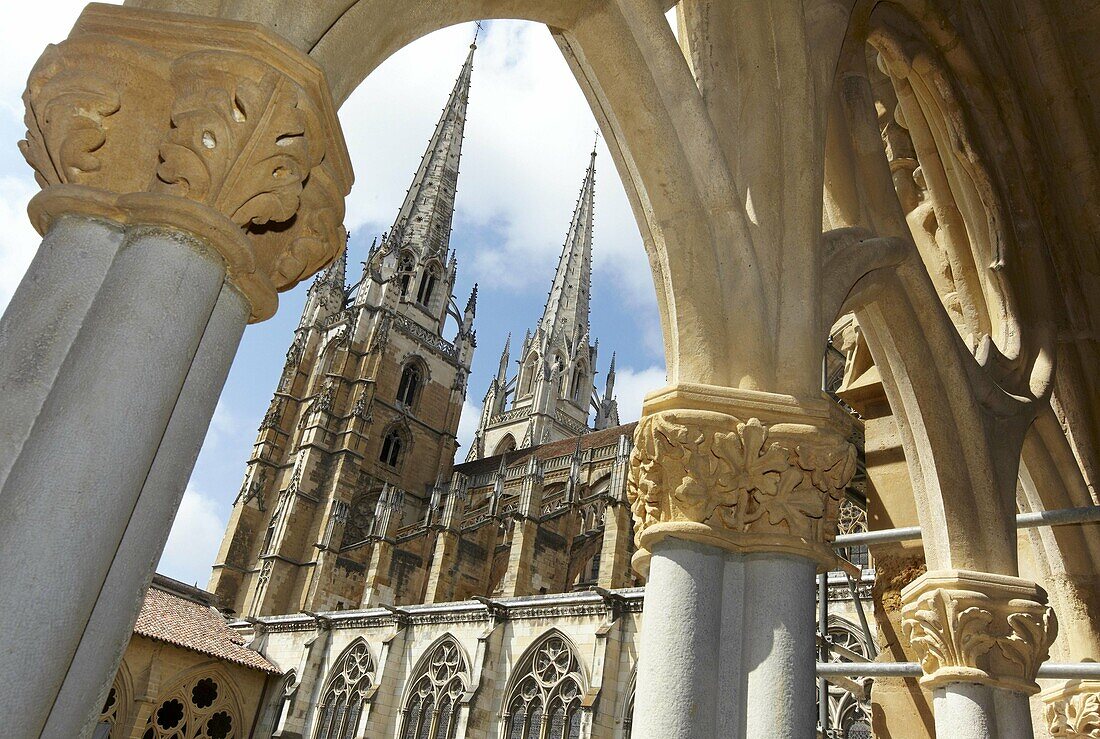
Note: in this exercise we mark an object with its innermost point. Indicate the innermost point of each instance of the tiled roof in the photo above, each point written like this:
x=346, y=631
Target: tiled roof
x=193, y=624
x=559, y=448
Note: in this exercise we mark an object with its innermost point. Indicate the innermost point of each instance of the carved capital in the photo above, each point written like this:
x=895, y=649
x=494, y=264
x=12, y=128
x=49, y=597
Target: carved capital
x=1073, y=710
x=739, y=482
x=215, y=127
x=976, y=627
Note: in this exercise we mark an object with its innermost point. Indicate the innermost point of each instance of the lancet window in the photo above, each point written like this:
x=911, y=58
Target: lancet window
x=391, y=448
x=200, y=708
x=427, y=287
x=409, y=385
x=406, y=269
x=431, y=711
x=545, y=702
x=342, y=704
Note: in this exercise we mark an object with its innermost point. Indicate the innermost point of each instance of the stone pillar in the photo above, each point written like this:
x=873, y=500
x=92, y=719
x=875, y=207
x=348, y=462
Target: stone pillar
x=617, y=528
x=440, y=587
x=525, y=523
x=191, y=168
x=387, y=519
x=980, y=639
x=735, y=495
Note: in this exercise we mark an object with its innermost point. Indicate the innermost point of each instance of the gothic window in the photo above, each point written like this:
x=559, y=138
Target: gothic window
x=507, y=444
x=342, y=704
x=545, y=702
x=200, y=708
x=527, y=384
x=108, y=717
x=628, y=714
x=391, y=448
x=578, y=382
x=853, y=520
x=406, y=270
x=427, y=287
x=409, y=386
x=431, y=710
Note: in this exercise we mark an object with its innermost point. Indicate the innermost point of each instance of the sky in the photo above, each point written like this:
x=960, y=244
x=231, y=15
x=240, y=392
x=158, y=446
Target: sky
x=528, y=134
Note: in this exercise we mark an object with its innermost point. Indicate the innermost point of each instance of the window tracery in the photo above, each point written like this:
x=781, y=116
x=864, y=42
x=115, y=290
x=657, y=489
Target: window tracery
x=200, y=708
x=342, y=704
x=545, y=702
x=108, y=717
x=432, y=707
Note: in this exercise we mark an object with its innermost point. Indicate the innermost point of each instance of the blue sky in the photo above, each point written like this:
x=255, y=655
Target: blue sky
x=528, y=134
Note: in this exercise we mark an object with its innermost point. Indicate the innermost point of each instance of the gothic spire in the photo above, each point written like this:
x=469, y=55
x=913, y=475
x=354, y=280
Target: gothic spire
x=502, y=368
x=566, y=311
x=424, y=220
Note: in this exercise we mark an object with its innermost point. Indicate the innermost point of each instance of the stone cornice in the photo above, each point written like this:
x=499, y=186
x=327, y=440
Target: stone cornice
x=978, y=627
x=216, y=128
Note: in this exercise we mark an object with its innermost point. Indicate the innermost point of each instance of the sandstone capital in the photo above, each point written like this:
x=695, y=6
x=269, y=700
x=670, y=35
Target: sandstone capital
x=738, y=470
x=214, y=127
x=978, y=627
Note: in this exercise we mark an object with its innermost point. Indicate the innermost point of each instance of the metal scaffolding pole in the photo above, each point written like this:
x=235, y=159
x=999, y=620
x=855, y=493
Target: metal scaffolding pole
x=1049, y=670
x=1059, y=517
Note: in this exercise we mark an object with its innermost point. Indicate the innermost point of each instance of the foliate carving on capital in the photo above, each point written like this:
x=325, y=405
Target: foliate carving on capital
x=746, y=483
x=979, y=628
x=1073, y=711
x=153, y=118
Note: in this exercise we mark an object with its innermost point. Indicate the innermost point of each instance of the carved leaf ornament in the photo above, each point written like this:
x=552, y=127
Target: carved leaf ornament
x=978, y=627
x=1075, y=716
x=239, y=140
x=213, y=127
x=738, y=476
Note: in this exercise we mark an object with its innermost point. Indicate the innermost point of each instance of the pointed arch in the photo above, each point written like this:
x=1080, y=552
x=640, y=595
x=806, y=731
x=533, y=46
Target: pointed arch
x=626, y=710
x=116, y=706
x=202, y=702
x=505, y=445
x=341, y=706
x=433, y=693
x=543, y=697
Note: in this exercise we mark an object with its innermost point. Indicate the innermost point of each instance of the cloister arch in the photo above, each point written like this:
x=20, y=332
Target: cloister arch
x=725, y=142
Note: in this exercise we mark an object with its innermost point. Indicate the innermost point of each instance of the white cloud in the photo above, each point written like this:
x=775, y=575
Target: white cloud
x=467, y=425
x=631, y=387
x=195, y=538
x=528, y=133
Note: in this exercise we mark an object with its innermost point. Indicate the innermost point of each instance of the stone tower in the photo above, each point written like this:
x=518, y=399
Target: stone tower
x=362, y=426
x=553, y=393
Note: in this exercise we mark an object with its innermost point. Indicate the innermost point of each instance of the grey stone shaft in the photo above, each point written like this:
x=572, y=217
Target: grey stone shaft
x=727, y=645
x=102, y=447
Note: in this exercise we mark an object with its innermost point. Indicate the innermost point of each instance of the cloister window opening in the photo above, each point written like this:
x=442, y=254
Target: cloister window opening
x=545, y=702
x=409, y=386
x=391, y=448
x=431, y=711
x=342, y=704
x=200, y=708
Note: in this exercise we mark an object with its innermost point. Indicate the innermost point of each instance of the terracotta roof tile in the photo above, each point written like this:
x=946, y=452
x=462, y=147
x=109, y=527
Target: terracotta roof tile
x=170, y=618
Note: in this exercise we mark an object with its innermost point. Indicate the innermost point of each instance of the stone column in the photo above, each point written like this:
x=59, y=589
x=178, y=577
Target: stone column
x=525, y=529
x=387, y=519
x=980, y=639
x=190, y=170
x=734, y=495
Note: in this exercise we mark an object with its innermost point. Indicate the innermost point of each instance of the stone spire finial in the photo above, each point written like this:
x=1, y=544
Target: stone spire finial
x=566, y=311
x=424, y=219
x=471, y=303
x=502, y=368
